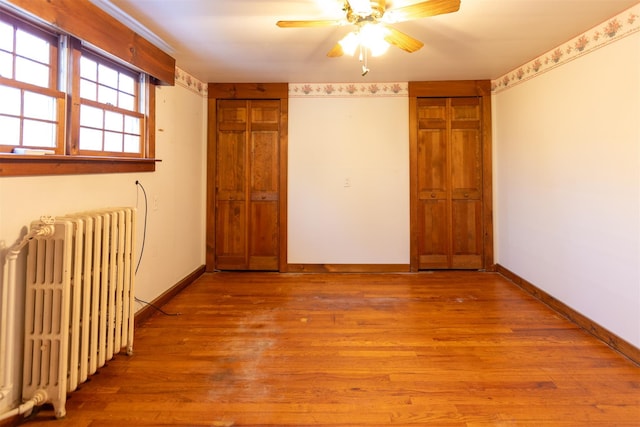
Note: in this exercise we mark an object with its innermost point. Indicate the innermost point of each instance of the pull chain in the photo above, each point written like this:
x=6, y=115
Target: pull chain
x=364, y=58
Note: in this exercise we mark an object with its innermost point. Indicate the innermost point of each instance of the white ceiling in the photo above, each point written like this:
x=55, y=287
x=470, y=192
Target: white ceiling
x=238, y=40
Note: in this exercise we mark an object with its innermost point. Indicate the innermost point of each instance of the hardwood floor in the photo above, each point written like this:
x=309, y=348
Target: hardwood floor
x=429, y=349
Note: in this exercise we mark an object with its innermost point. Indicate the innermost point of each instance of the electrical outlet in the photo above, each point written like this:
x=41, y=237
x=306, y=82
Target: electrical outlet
x=155, y=203
x=347, y=183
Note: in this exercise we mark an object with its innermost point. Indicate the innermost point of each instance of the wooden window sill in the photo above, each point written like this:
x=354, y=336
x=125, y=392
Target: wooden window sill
x=25, y=165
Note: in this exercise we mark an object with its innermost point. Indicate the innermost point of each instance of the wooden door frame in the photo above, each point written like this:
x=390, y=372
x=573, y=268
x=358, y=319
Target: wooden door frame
x=248, y=91
x=451, y=89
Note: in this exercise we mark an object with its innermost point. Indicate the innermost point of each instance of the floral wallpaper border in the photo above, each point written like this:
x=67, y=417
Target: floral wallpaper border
x=620, y=26
x=186, y=80
x=342, y=90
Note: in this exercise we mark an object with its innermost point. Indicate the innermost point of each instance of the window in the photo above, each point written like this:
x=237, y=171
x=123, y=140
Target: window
x=110, y=118
x=65, y=101
x=31, y=106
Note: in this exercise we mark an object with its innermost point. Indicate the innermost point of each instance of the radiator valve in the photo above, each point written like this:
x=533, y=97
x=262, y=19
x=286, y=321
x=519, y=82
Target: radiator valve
x=47, y=228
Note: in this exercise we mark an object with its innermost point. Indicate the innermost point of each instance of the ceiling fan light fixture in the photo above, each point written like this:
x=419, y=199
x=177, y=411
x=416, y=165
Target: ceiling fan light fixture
x=372, y=36
x=350, y=43
x=369, y=36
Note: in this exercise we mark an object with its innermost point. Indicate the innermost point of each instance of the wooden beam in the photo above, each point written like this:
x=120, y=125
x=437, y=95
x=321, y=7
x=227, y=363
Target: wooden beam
x=248, y=90
x=450, y=88
x=89, y=23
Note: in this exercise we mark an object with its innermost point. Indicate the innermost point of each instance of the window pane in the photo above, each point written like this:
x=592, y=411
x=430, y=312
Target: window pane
x=132, y=125
x=39, y=106
x=90, y=139
x=113, y=121
x=107, y=95
x=9, y=101
x=31, y=72
x=6, y=37
x=127, y=102
x=131, y=144
x=39, y=134
x=127, y=84
x=10, y=134
x=88, y=90
x=32, y=47
x=113, y=142
x=88, y=69
x=91, y=117
x=6, y=65
x=107, y=76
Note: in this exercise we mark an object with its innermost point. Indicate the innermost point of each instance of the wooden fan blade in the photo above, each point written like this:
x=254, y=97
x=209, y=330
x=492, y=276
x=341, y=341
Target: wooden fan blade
x=335, y=51
x=306, y=24
x=422, y=10
x=402, y=40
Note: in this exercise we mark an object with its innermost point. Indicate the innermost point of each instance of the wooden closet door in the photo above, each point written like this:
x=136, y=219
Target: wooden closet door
x=449, y=180
x=247, y=177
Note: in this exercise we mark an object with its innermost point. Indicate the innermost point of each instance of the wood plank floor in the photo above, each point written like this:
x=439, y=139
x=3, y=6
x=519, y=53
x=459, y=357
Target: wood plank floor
x=427, y=349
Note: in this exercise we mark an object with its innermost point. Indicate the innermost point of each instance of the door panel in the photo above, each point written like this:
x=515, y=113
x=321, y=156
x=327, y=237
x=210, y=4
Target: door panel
x=230, y=180
x=432, y=154
x=231, y=247
x=232, y=115
x=434, y=244
x=264, y=158
x=263, y=236
x=465, y=160
x=265, y=112
x=466, y=234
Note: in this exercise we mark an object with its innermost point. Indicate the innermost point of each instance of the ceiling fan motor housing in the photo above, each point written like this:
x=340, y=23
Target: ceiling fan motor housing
x=373, y=15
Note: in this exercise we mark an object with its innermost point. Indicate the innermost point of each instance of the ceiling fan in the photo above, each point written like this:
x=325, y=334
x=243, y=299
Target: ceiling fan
x=372, y=20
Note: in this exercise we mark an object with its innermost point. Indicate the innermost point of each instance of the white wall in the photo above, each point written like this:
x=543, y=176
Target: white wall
x=567, y=184
x=176, y=192
x=348, y=180
x=175, y=243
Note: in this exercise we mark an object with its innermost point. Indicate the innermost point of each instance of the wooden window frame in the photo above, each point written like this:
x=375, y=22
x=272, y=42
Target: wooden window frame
x=140, y=100
x=159, y=71
x=52, y=89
